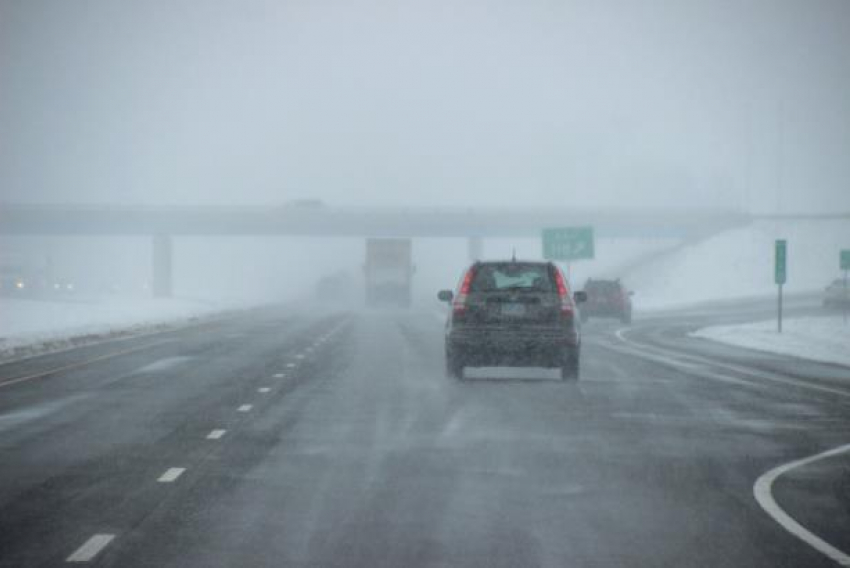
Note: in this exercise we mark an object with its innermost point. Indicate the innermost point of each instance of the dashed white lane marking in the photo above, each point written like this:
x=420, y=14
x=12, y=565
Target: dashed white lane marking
x=171, y=474
x=263, y=389
x=216, y=434
x=245, y=408
x=90, y=548
x=764, y=496
x=299, y=356
x=279, y=375
x=290, y=365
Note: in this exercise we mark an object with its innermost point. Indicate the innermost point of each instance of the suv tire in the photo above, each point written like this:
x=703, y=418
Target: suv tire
x=570, y=370
x=454, y=366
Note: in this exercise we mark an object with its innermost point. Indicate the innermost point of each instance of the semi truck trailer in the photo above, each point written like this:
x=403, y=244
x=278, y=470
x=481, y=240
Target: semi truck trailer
x=388, y=272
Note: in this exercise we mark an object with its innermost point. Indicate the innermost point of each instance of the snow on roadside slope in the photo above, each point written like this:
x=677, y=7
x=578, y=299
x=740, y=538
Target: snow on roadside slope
x=33, y=326
x=819, y=338
x=739, y=263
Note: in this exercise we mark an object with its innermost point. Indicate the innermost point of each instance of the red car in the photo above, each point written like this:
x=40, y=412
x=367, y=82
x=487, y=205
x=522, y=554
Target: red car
x=607, y=298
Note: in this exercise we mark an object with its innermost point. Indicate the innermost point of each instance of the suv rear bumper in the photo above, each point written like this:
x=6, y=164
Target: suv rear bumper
x=512, y=347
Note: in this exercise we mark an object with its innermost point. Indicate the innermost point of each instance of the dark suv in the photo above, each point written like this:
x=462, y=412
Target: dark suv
x=513, y=313
x=607, y=298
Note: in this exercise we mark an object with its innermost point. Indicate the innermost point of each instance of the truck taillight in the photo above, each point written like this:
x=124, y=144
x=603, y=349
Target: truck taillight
x=459, y=303
x=563, y=293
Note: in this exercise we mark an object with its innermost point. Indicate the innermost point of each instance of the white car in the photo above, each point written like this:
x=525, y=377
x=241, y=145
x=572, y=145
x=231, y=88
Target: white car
x=837, y=294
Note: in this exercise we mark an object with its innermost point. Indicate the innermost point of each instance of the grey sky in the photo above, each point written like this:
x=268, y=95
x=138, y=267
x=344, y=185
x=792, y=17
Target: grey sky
x=431, y=103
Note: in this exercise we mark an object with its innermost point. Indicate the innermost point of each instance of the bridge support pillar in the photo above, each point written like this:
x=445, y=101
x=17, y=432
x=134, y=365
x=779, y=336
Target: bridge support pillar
x=161, y=265
x=475, y=248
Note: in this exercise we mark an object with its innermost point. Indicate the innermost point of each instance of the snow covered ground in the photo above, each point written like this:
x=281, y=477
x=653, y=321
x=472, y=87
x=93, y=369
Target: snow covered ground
x=32, y=326
x=819, y=338
x=739, y=264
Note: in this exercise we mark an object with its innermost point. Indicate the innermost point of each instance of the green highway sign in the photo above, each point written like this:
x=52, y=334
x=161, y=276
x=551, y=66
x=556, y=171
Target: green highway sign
x=845, y=259
x=568, y=243
x=779, y=275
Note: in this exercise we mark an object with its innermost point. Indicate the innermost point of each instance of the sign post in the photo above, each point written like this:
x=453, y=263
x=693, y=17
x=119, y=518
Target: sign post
x=568, y=244
x=844, y=264
x=780, y=276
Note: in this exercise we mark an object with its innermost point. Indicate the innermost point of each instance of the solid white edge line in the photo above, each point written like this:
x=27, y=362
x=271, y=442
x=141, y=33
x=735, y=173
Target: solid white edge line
x=279, y=375
x=764, y=496
x=674, y=358
x=264, y=389
x=245, y=408
x=171, y=474
x=215, y=434
x=90, y=548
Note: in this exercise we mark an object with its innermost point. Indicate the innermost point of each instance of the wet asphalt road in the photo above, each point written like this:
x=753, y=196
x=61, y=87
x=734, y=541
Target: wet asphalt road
x=321, y=439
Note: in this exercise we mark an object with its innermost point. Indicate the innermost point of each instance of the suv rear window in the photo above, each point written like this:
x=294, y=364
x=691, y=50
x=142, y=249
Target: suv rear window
x=602, y=286
x=512, y=276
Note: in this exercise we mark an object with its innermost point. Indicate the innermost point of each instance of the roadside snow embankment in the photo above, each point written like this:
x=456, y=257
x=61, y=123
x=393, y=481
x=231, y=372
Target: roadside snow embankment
x=30, y=327
x=739, y=264
x=824, y=339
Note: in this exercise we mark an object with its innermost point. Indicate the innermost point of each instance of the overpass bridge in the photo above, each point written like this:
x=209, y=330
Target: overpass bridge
x=321, y=221
x=162, y=224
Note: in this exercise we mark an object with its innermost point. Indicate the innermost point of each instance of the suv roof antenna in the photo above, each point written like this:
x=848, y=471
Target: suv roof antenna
x=513, y=255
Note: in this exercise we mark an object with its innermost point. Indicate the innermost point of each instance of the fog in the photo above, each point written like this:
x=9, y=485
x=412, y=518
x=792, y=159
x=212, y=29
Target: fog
x=739, y=106
x=593, y=103
x=424, y=283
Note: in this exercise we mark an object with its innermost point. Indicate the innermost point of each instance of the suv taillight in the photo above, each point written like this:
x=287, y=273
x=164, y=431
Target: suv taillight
x=459, y=303
x=563, y=293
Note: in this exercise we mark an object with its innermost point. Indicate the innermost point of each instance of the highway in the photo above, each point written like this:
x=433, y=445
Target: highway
x=307, y=437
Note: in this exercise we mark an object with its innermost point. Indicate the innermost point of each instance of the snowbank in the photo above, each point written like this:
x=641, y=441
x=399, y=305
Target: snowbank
x=739, y=264
x=819, y=338
x=34, y=326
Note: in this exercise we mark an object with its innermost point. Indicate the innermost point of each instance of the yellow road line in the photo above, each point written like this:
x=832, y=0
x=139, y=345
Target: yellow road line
x=55, y=370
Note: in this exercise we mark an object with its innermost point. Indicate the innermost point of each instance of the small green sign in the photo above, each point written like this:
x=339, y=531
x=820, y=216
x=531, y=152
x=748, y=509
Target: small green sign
x=845, y=259
x=779, y=275
x=568, y=243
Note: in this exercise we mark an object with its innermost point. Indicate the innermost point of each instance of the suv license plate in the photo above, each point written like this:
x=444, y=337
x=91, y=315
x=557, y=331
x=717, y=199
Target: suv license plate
x=513, y=309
